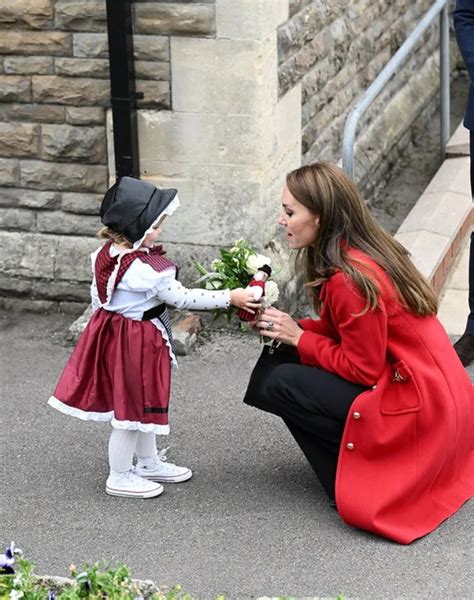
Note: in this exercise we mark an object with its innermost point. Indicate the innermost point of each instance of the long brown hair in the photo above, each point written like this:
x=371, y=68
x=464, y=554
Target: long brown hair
x=345, y=222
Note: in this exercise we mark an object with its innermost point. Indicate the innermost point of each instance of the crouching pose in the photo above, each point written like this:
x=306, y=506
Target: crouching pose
x=372, y=392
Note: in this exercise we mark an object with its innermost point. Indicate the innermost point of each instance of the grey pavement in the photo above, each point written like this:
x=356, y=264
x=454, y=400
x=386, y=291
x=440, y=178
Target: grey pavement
x=253, y=520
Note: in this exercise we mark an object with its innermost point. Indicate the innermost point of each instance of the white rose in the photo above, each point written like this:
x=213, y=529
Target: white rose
x=255, y=261
x=271, y=293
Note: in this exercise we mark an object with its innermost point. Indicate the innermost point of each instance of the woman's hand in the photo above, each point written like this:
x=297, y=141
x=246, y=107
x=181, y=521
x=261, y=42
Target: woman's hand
x=244, y=299
x=280, y=326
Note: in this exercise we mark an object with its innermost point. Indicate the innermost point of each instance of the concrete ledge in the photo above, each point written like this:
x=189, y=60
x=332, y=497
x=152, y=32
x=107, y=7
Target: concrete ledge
x=434, y=230
x=458, y=145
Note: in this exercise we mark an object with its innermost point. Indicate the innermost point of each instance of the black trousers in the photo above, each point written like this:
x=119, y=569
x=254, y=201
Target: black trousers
x=313, y=403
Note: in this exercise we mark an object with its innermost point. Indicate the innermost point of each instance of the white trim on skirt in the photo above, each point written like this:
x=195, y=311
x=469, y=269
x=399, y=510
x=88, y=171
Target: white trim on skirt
x=108, y=417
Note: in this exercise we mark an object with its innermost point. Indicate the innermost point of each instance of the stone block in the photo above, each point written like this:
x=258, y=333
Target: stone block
x=12, y=218
x=185, y=330
x=224, y=220
x=155, y=93
x=9, y=197
x=26, y=305
x=36, y=259
x=146, y=69
x=78, y=92
x=450, y=315
x=298, y=31
x=34, y=14
x=458, y=144
x=40, y=113
x=78, y=326
x=294, y=69
x=438, y=212
x=31, y=65
x=227, y=139
x=75, y=143
x=84, y=204
x=47, y=43
x=249, y=20
x=9, y=171
x=82, y=67
x=14, y=88
x=452, y=176
x=42, y=200
x=81, y=15
x=173, y=18
x=222, y=76
x=85, y=115
x=151, y=47
x=78, y=265
x=90, y=45
x=60, y=176
x=427, y=249
x=19, y=139
x=67, y=223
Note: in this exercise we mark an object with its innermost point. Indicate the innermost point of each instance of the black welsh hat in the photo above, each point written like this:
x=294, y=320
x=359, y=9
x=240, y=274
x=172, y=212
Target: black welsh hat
x=131, y=206
x=266, y=269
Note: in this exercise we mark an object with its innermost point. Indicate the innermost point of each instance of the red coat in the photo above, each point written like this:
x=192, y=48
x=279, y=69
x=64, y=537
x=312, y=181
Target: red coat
x=407, y=454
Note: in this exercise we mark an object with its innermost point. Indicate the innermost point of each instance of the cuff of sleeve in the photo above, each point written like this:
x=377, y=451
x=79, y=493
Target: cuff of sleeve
x=305, y=349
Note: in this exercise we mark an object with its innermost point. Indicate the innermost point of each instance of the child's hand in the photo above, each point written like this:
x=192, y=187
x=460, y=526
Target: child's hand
x=244, y=299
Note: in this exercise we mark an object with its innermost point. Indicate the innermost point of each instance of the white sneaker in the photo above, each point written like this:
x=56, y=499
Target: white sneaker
x=161, y=470
x=131, y=485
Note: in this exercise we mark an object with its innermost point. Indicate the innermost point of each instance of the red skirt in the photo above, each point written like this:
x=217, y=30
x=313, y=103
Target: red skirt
x=119, y=371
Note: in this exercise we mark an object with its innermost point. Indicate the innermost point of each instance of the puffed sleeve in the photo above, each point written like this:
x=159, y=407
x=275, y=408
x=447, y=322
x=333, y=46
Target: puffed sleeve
x=359, y=353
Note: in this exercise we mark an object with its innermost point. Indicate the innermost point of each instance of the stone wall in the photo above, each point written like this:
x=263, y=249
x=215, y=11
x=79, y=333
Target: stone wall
x=54, y=97
x=335, y=50
x=235, y=94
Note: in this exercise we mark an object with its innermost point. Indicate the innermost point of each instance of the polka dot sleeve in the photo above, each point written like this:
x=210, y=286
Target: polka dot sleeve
x=173, y=293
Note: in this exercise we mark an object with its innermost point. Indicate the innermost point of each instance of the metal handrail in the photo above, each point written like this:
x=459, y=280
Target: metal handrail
x=439, y=7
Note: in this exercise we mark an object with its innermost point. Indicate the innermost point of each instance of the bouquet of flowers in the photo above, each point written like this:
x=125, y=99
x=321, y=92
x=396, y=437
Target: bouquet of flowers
x=233, y=269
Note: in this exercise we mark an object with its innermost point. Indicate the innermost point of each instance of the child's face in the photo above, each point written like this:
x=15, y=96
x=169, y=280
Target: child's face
x=153, y=236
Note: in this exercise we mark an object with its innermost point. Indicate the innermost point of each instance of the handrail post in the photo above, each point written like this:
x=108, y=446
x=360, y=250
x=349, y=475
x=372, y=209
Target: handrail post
x=444, y=78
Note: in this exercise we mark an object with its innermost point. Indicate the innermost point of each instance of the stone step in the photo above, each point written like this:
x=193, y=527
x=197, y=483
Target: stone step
x=434, y=230
x=458, y=144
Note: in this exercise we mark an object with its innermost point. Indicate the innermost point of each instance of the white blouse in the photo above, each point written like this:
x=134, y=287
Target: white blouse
x=142, y=288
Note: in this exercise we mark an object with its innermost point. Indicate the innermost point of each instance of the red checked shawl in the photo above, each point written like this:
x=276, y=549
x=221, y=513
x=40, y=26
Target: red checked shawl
x=106, y=264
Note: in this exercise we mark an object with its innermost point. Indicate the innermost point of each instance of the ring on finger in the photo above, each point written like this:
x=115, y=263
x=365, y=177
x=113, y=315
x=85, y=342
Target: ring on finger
x=270, y=324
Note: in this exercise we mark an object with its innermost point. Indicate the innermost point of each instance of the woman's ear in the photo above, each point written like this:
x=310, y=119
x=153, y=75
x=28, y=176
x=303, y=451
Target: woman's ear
x=316, y=222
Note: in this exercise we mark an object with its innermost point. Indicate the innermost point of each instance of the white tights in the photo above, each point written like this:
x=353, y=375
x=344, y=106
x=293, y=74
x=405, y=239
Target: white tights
x=123, y=444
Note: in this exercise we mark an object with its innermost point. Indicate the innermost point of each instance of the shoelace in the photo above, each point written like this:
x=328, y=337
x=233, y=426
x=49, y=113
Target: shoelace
x=162, y=454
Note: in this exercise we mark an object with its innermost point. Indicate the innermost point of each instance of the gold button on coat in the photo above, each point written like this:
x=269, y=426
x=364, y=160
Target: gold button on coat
x=356, y=415
x=350, y=446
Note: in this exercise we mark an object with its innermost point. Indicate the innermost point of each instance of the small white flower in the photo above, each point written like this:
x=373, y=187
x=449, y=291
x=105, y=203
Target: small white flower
x=216, y=264
x=271, y=293
x=15, y=594
x=255, y=261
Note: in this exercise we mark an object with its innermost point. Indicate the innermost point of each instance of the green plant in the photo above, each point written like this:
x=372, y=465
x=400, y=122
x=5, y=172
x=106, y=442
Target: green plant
x=94, y=582
x=233, y=269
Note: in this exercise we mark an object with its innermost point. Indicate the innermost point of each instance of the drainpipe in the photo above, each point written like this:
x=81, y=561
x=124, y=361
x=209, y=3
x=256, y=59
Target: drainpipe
x=122, y=87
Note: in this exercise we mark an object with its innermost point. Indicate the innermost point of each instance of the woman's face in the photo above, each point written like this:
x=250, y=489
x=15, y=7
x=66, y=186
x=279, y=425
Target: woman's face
x=300, y=224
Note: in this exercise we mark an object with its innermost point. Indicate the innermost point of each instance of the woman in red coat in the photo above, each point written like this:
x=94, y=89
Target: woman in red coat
x=373, y=391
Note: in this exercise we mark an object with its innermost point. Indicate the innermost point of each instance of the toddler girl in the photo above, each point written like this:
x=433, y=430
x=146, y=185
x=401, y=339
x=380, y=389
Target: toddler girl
x=120, y=368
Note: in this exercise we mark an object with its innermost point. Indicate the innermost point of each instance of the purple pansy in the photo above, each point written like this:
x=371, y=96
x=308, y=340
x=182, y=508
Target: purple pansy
x=7, y=559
